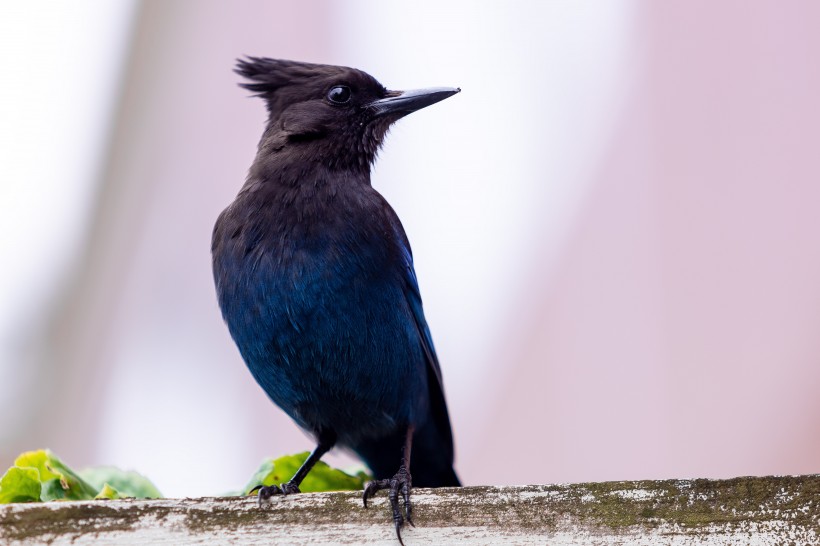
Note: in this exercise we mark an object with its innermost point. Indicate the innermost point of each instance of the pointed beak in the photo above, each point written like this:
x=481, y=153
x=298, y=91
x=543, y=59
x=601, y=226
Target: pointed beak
x=406, y=102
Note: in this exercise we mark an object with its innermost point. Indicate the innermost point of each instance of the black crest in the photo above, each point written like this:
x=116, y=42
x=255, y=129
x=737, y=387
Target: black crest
x=273, y=79
x=268, y=75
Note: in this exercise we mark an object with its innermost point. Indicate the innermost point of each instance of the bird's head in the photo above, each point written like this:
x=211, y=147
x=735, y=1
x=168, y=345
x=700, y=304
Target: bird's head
x=333, y=114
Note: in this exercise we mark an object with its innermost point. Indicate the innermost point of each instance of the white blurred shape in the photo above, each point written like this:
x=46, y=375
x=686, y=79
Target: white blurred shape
x=61, y=65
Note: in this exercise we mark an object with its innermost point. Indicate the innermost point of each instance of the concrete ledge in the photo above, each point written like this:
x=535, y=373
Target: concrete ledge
x=759, y=511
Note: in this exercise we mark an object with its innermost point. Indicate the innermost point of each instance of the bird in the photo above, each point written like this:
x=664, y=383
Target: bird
x=315, y=280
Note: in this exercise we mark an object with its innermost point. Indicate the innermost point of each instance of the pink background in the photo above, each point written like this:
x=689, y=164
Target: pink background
x=616, y=228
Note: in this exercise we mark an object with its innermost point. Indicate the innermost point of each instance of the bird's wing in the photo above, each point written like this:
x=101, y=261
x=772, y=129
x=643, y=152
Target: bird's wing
x=438, y=405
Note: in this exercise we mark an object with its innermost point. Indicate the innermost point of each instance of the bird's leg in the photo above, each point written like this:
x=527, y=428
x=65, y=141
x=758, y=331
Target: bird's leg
x=326, y=442
x=400, y=483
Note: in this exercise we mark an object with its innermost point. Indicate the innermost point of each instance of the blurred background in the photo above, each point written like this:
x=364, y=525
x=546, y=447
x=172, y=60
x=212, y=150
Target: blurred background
x=616, y=229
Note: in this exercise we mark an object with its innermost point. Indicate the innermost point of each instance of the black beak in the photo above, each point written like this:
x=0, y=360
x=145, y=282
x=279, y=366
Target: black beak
x=406, y=102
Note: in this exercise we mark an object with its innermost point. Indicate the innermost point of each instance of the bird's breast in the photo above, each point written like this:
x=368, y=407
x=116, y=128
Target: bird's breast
x=319, y=313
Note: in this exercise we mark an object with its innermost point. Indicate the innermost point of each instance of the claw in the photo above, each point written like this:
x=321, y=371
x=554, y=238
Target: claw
x=290, y=488
x=398, y=534
x=267, y=491
x=408, y=507
x=400, y=483
x=371, y=488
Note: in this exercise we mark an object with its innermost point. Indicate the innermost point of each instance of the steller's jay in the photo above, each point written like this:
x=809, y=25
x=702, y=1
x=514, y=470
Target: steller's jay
x=315, y=279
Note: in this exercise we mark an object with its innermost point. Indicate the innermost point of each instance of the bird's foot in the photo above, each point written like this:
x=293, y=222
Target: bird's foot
x=401, y=483
x=267, y=491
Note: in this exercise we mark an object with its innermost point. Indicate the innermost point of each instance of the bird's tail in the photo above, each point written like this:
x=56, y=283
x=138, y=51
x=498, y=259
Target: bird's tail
x=431, y=460
x=427, y=476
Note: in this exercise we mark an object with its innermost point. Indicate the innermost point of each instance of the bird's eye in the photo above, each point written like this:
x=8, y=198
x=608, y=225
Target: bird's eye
x=339, y=94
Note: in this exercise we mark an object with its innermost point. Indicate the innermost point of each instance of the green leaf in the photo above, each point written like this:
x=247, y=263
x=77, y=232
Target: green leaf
x=42, y=476
x=321, y=478
x=108, y=492
x=20, y=485
x=56, y=479
x=126, y=483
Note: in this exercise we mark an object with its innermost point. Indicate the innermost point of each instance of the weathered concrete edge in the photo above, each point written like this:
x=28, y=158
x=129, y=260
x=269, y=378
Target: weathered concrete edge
x=691, y=507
